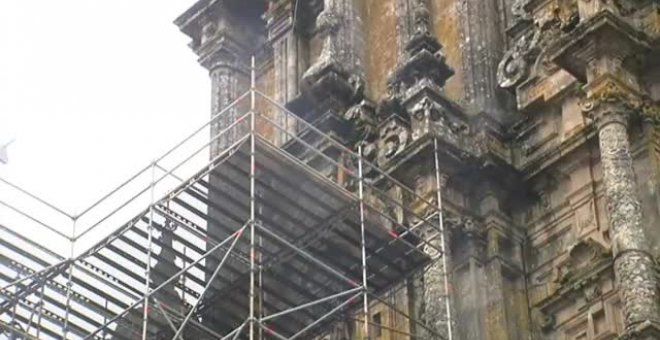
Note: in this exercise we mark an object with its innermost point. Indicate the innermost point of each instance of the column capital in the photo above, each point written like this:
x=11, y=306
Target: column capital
x=609, y=101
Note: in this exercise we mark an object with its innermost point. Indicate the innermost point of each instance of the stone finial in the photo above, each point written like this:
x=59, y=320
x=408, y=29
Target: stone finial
x=327, y=24
x=422, y=19
x=424, y=53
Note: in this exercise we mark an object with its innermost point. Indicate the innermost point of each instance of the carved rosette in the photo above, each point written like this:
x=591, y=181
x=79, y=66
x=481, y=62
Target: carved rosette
x=610, y=107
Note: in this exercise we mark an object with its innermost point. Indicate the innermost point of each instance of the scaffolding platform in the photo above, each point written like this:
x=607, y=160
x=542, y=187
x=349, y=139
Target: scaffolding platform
x=265, y=241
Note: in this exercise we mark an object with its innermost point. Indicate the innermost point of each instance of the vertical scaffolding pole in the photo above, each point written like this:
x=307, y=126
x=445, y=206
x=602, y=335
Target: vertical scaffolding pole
x=439, y=179
x=252, y=200
x=41, y=310
x=363, y=245
x=69, y=280
x=147, y=271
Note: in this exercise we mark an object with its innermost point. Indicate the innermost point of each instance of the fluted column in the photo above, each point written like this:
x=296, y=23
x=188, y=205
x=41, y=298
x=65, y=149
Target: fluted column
x=634, y=267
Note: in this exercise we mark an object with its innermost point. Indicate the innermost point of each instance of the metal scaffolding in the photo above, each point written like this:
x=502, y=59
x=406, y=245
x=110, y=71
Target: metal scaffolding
x=262, y=241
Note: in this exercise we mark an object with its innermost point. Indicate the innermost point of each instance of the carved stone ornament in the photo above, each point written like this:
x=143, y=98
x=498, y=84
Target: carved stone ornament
x=362, y=117
x=422, y=18
x=528, y=54
x=592, y=291
x=424, y=113
x=612, y=101
x=424, y=55
x=425, y=109
x=390, y=104
x=515, y=65
x=518, y=10
x=393, y=140
x=464, y=225
x=584, y=254
x=545, y=322
x=327, y=25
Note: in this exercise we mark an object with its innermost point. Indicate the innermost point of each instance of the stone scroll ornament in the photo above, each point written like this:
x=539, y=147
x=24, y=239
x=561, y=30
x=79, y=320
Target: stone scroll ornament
x=516, y=63
x=527, y=56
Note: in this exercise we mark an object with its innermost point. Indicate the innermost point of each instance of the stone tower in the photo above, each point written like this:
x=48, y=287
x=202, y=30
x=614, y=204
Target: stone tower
x=542, y=116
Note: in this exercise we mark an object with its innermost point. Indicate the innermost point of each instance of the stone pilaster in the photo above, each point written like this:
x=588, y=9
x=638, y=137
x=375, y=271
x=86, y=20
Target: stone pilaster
x=483, y=42
x=288, y=61
x=404, y=24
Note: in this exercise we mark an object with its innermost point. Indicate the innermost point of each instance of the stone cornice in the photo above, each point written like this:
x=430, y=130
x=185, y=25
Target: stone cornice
x=605, y=33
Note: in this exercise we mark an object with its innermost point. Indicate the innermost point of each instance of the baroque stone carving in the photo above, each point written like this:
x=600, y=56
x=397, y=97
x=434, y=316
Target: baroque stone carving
x=543, y=321
x=583, y=254
x=518, y=10
x=527, y=56
x=425, y=57
x=515, y=65
x=361, y=115
x=391, y=103
x=422, y=18
x=615, y=101
x=464, y=225
x=327, y=26
x=393, y=140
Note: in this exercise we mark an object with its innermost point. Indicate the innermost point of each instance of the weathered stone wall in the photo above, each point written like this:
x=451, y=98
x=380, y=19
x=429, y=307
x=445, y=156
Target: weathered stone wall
x=447, y=26
x=381, y=40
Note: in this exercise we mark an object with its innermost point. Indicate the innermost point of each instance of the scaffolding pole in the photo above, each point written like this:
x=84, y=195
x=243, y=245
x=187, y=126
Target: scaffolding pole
x=252, y=292
x=69, y=282
x=147, y=271
x=440, y=180
x=363, y=245
x=179, y=331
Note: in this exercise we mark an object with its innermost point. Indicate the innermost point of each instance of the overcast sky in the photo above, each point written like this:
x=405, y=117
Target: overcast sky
x=93, y=90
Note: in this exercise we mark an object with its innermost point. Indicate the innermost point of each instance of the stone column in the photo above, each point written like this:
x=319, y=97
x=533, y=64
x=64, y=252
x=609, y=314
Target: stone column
x=634, y=267
x=599, y=52
x=224, y=37
x=434, y=295
x=434, y=312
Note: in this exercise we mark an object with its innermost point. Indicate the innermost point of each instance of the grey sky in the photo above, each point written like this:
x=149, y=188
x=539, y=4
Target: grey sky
x=92, y=91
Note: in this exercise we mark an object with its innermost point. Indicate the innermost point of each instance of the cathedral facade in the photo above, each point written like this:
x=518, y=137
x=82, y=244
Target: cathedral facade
x=541, y=117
